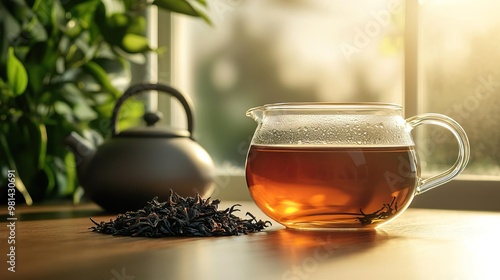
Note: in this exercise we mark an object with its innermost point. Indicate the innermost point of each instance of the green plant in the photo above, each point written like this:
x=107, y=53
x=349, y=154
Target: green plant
x=59, y=63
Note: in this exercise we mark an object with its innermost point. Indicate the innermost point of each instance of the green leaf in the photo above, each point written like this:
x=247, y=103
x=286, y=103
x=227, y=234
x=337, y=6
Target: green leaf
x=81, y=106
x=204, y=16
x=57, y=14
x=130, y=114
x=137, y=26
x=118, y=71
x=119, y=20
x=43, y=146
x=137, y=58
x=98, y=73
x=4, y=96
x=184, y=7
x=62, y=108
x=34, y=22
x=178, y=6
x=112, y=25
x=69, y=163
x=17, y=78
x=133, y=43
x=50, y=173
x=84, y=12
x=202, y=2
x=9, y=28
x=84, y=112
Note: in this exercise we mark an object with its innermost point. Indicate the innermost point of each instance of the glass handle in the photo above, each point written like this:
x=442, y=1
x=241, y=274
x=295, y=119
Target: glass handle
x=463, y=149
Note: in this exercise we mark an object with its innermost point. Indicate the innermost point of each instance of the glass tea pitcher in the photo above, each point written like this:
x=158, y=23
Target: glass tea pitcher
x=330, y=165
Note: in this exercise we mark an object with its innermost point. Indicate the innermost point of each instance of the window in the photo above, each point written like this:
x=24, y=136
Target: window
x=460, y=77
x=266, y=51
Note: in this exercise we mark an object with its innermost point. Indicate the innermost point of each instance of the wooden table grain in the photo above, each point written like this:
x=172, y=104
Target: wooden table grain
x=54, y=242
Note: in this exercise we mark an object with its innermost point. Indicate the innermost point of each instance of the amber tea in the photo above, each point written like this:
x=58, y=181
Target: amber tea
x=324, y=187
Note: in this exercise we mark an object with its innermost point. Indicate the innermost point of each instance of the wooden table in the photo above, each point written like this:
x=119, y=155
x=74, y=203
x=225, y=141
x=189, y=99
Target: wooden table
x=54, y=242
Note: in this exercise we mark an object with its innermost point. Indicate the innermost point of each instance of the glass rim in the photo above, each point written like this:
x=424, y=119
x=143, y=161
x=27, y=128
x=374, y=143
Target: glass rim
x=328, y=106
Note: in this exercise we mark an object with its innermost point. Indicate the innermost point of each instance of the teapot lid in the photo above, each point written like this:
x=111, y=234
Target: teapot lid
x=152, y=131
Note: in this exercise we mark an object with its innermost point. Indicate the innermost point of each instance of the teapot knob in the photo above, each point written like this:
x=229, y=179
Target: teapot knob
x=151, y=118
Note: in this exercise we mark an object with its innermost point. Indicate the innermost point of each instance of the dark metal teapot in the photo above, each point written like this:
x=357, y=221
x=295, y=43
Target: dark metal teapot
x=138, y=164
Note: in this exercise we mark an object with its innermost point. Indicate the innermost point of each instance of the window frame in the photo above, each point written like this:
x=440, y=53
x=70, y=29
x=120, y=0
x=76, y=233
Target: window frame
x=466, y=192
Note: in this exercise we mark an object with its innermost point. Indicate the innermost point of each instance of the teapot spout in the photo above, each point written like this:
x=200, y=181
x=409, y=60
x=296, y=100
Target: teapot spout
x=256, y=114
x=84, y=152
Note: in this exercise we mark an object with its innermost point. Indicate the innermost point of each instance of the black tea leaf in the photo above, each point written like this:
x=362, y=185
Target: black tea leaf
x=181, y=216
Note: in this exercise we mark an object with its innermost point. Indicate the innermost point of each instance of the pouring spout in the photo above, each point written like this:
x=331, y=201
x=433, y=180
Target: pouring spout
x=256, y=114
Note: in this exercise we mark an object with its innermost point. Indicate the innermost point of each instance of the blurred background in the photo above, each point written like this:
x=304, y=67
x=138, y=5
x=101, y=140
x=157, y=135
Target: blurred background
x=460, y=77
x=263, y=52
x=430, y=56
x=337, y=51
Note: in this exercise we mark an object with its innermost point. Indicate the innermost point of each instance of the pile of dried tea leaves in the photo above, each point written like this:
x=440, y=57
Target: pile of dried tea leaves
x=181, y=216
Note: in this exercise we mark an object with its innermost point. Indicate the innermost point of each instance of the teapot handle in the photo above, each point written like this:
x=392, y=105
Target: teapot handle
x=136, y=89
